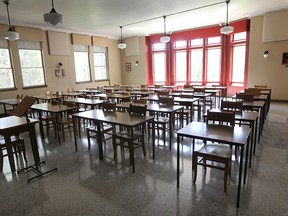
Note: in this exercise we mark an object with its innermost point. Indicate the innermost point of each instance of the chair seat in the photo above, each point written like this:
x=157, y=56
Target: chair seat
x=216, y=150
x=104, y=128
x=48, y=117
x=161, y=119
x=127, y=134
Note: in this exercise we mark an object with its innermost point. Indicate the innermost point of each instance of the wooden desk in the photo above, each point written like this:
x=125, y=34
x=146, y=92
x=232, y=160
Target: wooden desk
x=13, y=125
x=238, y=136
x=12, y=102
x=72, y=94
x=91, y=102
x=156, y=108
x=54, y=109
x=45, y=98
x=251, y=118
x=113, y=118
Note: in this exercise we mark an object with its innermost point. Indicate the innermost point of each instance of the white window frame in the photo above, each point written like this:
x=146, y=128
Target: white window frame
x=101, y=66
x=80, y=68
x=33, y=73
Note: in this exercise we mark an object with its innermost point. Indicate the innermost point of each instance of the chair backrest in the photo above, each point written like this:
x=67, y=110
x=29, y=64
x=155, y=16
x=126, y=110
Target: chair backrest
x=188, y=86
x=235, y=106
x=245, y=97
x=254, y=91
x=159, y=86
x=186, y=95
x=88, y=96
x=260, y=86
x=166, y=101
x=48, y=93
x=176, y=91
x=163, y=93
x=19, y=96
x=223, y=118
x=137, y=109
x=141, y=101
x=70, y=90
x=145, y=89
x=199, y=90
x=107, y=106
x=144, y=86
x=59, y=93
x=109, y=91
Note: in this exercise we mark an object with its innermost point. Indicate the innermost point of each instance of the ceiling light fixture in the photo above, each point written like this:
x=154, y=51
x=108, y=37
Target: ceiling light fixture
x=165, y=38
x=227, y=29
x=53, y=17
x=121, y=45
x=10, y=34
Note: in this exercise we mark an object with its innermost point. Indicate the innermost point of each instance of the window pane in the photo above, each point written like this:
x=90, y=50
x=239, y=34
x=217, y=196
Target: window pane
x=213, y=65
x=214, y=40
x=159, y=46
x=100, y=67
x=82, y=68
x=181, y=65
x=159, y=67
x=238, y=64
x=197, y=42
x=240, y=36
x=180, y=44
x=31, y=67
x=196, y=65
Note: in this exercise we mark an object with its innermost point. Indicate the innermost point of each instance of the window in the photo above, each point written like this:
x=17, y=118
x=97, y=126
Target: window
x=81, y=59
x=6, y=73
x=30, y=53
x=213, y=65
x=100, y=63
x=159, y=67
x=180, y=66
x=196, y=65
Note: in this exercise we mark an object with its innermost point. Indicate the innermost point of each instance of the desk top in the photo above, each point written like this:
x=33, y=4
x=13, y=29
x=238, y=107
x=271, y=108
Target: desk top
x=118, y=118
x=48, y=107
x=244, y=116
x=219, y=133
x=11, y=122
x=12, y=101
x=152, y=107
x=84, y=101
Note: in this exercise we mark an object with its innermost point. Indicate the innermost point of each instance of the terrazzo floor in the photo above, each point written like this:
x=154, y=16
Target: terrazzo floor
x=85, y=186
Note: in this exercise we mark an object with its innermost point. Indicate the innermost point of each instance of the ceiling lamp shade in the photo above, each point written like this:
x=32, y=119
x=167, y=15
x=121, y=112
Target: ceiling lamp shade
x=121, y=45
x=227, y=29
x=10, y=34
x=165, y=38
x=53, y=17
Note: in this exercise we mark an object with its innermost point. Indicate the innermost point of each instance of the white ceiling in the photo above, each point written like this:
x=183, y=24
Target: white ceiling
x=103, y=17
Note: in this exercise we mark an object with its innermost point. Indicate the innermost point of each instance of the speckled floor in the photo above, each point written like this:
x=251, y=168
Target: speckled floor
x=85, y=186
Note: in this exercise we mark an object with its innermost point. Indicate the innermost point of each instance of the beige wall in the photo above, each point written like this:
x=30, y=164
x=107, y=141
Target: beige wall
x=137, y=75
x=268, y=71
x=50, y=64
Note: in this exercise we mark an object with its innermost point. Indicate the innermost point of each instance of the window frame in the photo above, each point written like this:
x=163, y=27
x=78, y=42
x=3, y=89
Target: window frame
x=106, y=65
x=12, y=70
x=42, y=63
x=89, y=61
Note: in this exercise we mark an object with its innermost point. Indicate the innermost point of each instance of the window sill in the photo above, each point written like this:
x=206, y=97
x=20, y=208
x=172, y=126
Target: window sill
x=32, y=87
x=8, y=89
x=84, y=82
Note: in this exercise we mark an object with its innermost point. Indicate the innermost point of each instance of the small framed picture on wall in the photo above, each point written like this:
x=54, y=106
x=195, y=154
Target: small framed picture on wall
x=285, y=58
x=128, y=67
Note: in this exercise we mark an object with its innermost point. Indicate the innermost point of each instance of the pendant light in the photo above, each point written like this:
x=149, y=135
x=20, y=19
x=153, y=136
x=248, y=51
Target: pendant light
x=121, y=45
x=227, y=29
x=10, y=34
x=53, y=17
x=165, y=38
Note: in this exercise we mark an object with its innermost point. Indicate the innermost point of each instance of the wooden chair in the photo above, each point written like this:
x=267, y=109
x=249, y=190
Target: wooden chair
x=18, y=147
x=10, y=108
x=65, y=124
x=91, y=132
x=245, y=97
x=161, y=120
x=188, y=86
x=187, y=108
x=140, y=101
x=144, y=86
x=163, y=93
x=234, y=106
x=260, y=86
x=219, y=153
x=124, y=138
x=49, y=120
x=254, y=91
x=158, y=86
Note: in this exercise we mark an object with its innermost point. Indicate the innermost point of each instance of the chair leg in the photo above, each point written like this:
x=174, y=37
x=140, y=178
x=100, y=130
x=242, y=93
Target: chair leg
x=226, y=171
x=143, y=146
x=1, y=159
x=88, y=137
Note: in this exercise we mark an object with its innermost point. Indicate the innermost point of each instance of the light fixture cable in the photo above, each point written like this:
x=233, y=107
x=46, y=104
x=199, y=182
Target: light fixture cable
x=10, y=35
x=121, y=45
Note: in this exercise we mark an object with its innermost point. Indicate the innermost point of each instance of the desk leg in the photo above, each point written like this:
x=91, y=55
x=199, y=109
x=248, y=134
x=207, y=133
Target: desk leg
x=57, y=127
x=178, y=160
x=256, y=129
x=131, y=149
x=153, y=137
x=246, y=159
x=41, y=124
x=10, y=153
x=75, y=132
x=252, y=144
x=239, y=177
x=170, y=129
